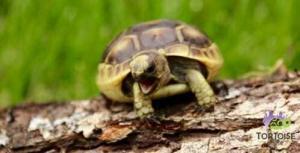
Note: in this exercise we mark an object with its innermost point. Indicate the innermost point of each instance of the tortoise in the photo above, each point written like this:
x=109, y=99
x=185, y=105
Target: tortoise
x=157, y=59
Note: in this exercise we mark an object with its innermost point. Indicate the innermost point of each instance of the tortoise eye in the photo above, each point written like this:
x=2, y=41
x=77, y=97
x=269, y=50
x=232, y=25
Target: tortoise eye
x=151, y=68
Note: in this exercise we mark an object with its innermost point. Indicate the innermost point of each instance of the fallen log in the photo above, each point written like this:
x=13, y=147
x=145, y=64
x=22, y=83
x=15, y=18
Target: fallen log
x=235, y=125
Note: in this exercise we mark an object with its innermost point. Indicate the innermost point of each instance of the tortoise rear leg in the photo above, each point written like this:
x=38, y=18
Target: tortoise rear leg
x=200, y=87
x=142, y=104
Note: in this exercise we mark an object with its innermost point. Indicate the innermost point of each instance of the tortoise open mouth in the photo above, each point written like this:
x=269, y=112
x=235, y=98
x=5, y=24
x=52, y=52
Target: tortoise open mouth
x=148, y=85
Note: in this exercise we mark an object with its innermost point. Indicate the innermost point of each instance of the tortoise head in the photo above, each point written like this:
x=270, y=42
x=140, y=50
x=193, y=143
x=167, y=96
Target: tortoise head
x=150, y=70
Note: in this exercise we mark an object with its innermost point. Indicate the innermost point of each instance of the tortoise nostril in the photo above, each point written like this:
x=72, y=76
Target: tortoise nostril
x=150, y=69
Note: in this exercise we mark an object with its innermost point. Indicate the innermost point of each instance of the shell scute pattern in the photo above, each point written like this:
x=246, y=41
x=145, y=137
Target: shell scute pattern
x=157, y=38
x=121, y=50
x=194, y=37
x=177, y=49
x=153, y=35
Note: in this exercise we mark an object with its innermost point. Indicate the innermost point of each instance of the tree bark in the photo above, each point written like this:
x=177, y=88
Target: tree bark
x=97, y=125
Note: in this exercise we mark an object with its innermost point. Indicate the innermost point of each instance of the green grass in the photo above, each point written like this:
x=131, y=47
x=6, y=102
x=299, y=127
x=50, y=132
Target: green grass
x=49, y=50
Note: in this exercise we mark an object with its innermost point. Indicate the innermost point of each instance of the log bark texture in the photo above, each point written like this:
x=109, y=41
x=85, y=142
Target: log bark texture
x=98, y=125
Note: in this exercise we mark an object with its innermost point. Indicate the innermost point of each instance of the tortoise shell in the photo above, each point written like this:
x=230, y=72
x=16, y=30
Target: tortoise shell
x=171, y=38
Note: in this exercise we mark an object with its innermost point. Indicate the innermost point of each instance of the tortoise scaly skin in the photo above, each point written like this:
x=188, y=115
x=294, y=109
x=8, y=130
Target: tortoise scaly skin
x=158, y=59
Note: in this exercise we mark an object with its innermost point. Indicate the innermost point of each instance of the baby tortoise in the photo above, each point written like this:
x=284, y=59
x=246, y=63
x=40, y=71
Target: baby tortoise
x=159, y=59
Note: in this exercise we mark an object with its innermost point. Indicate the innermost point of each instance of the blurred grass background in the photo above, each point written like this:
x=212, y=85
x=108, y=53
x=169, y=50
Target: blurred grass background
x=49, y=50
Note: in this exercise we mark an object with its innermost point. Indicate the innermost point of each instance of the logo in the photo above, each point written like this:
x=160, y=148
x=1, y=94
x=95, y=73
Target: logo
x=276, y=122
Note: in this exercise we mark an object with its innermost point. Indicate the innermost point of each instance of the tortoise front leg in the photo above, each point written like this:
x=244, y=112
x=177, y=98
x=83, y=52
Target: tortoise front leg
x=142, y=104
x=200, y=87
